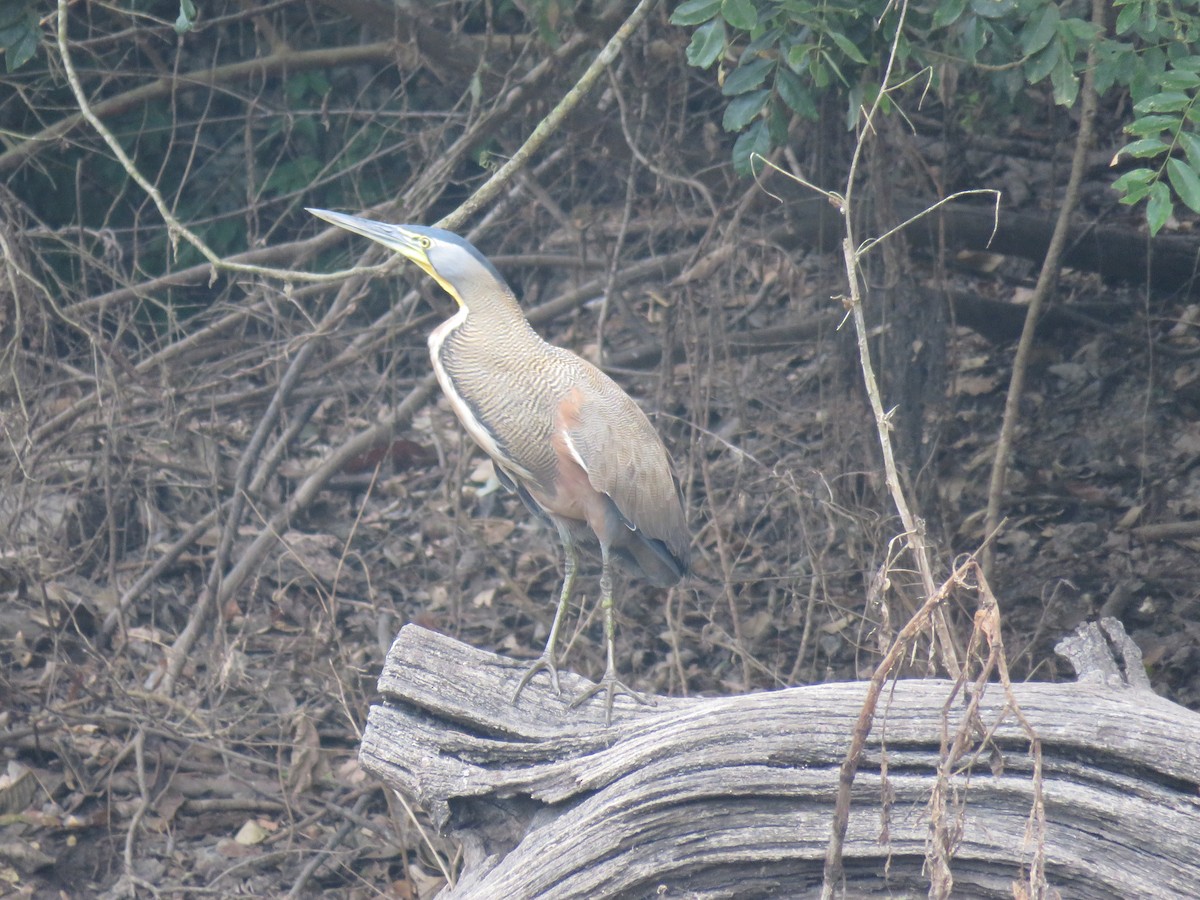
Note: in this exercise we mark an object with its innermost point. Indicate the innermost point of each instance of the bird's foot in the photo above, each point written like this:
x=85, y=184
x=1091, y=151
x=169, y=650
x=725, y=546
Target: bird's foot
x=611, y=686
x=546, y=663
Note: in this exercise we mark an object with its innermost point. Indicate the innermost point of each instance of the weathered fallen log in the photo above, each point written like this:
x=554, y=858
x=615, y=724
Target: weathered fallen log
x=1167, y=262
x=732, y=796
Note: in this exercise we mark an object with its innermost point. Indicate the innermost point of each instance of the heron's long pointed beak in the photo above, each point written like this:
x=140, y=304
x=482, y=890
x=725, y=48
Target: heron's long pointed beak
x=394, y=237
x=409, y=244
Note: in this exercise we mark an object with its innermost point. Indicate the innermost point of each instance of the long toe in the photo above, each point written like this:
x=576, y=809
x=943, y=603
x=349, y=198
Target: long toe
x=546, y=663
x=611, y=686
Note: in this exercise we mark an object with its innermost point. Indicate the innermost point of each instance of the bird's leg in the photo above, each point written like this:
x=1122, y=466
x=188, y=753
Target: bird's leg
x=547, y=660
x=610, y=684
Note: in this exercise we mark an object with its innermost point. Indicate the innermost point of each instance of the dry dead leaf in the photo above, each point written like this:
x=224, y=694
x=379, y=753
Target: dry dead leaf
x=306, y=756
x=349, y=772
x=230, y=848
x=21, y=858
x=428, y=885
x=979, y=260
x=1187, y=443
x=1131, y=516
x=314, y=553
x=18, y=787
x=482, y=473
x=976, y=385
x=251, y=833
x=439, y=598
x=1021, y=296
x=758, y=624
x=836, y=625
x=706, y=265
x=496, y=531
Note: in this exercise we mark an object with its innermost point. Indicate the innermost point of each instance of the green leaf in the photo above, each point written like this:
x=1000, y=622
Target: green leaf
x=1043, y=63
x=1149, y=24
x=693, y=12
x=1041, y=28
x=1134, y=185
x=14, y=20
x=795, y=93
x=1191, y=146
x=797, y=55
x=948, y=12
x=1066, y=83
x=1079, y=29
x=993, y=9
x=778, y=119
x=13, y=12
x=1144, y=149
x=1179, y=80
x=1153, y=62
x=753, y=140
x=1163, y=102
x=975, y=32
x=848, y=47
x=305, y=128
x=1003, y=38
x=1126, y=62
x=708, y=43
x=819, y=72
x=1158, y=207
x=1127, y=18
x=1185, y=181
x=1149, y=125
x=747, y=77
x=1143, y=176
x=187, y=17
x=829, y=60
x=740, y=13
x=742, y=110
x=1190, y=63
x=1119, y=63
x=1144, y=126
x=21, y=42
x=289, y=177
x=764, y=44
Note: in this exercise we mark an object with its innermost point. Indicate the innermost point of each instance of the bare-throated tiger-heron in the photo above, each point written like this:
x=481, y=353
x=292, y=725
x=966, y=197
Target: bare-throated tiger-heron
x=576, y=448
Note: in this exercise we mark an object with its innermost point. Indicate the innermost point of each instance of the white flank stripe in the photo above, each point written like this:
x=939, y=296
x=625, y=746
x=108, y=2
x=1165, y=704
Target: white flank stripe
x=574, y=453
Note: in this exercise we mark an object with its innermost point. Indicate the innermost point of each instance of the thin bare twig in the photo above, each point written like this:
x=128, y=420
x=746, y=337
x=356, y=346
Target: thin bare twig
x=553, y=121
x=914, y=527
x=1047, y=280
x=175, y=228
x=944, y=835
x=281, y=60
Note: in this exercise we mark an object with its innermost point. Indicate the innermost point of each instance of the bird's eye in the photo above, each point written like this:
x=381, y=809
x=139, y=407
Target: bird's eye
x=425, y=242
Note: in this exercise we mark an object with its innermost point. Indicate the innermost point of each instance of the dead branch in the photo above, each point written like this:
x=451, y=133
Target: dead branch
x=705, y=794
x=1047, y=279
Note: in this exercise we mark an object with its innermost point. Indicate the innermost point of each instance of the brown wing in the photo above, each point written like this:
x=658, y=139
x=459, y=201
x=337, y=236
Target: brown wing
x=625, y=459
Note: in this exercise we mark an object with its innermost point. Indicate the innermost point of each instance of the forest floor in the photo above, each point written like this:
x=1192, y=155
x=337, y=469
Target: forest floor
x=245, y=779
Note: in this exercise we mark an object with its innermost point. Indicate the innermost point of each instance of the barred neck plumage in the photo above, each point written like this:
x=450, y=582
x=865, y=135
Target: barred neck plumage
x=499, y=376
x=496, y=318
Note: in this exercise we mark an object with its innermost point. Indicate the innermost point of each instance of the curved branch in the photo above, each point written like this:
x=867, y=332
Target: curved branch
x=1047, y=279
x=553, y=121
x=276, y=63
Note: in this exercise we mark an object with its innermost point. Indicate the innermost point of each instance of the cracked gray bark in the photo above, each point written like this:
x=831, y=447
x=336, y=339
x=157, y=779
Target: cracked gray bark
x=732, y=796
